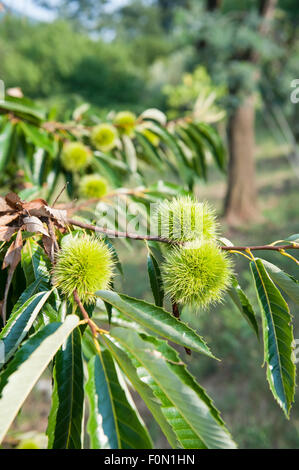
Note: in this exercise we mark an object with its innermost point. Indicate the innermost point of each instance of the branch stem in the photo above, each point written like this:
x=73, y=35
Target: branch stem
x=91, y=324
x=135, y=236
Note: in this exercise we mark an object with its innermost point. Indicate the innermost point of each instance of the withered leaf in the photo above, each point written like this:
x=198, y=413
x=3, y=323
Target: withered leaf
x=7, y=218
x=6, y=233
x=4, y=207
x=33, y=224
x=49, y=247
x=41, y=209
x=35, y=207
x=59, y=215
x=11, y=259
x=14, y=201
x=13, y=254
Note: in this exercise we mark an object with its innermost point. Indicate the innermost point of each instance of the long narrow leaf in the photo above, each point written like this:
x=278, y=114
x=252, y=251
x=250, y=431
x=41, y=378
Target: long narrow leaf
x=287, y=283
x=151, y=401
x=20, y=322
x=182, y=391
x=240, y=299
x=113, y=423
x=278, y=337
x=65, y=419
x=24, y=370
x=155, y=280
x=156, y=319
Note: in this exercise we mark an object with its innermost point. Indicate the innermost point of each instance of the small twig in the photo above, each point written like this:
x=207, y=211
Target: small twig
x=175, y=310
x=176, y=314
x=289, y=256
x=64, y=187
x=85, y=314
x=262, y=247
x=118, y=234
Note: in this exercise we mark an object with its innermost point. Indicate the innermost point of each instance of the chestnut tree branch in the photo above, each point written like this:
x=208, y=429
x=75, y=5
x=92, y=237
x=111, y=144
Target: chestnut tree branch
x=84, y=313
x=135, y=236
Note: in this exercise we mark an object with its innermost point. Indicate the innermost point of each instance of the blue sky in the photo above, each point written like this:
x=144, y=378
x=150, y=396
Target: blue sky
x=29, y=8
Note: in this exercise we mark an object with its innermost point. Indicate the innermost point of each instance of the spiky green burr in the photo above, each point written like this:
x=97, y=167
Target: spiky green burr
x=185, y=219
x=84, y=263
x=197, y=273
x=104, y=137
x=93, y=186
x=75, y=156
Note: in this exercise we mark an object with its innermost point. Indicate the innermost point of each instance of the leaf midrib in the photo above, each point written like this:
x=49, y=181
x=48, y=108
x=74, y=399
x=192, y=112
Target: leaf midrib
x=276, y=343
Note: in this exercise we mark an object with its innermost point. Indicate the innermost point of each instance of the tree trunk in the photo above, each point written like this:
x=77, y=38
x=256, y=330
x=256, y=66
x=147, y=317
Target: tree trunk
x=213, y=4
x=241, y=198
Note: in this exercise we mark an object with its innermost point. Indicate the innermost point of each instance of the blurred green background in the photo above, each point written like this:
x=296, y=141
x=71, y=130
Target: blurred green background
x=137, y=54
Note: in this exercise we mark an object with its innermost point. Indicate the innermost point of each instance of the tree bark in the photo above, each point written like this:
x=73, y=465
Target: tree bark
x=213, y=4
x=241, y=197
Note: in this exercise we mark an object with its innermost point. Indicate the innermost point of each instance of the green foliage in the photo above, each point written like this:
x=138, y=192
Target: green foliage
x=122, y=341
x=114, y=421
x=278, y=338
x=27, y=366
x=65, y=419
x=196, y=93
x=74, y=70
x=122, y=148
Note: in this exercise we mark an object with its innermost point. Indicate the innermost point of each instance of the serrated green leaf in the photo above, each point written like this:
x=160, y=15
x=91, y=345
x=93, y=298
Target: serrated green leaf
x=278, y=337
x=22, y=373
x=150, y=151
x=23, y=109
x=130, y=153
x=65, y=419
x=215, y=143
x=163, y=189
x=285, y=281
x=200, y=163
x=20, y=322
x=156, y=319
x=113, y=423
x=38, y=137
x=34, y=264
x=293, y=238
x=153, y=404
x=240, y=299
x=172, y=144
x=6, y=135
x=155, y=280
x=200, y=420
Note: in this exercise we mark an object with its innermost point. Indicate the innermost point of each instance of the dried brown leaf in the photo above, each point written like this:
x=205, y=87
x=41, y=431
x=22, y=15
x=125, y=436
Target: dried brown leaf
x=11, y=259
x=35, y=207
x=49, y=247
x=33, y=224
x=58, y=215
x=4, y=207
x=7, y=232
x=14, y=201
x=7, y=218
x=13, y=254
